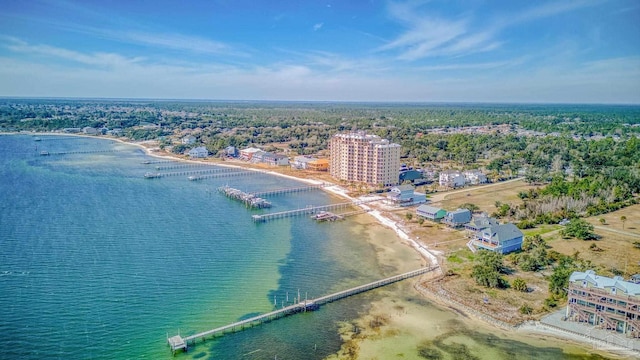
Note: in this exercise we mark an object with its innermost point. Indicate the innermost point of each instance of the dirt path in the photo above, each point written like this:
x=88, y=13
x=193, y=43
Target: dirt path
x=617, y=231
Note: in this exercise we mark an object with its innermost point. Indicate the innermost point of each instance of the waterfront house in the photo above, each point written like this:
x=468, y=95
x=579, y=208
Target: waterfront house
x=275, y=159
x=89, y=130
x=318, y=165
x=457, y=218
x=431, y=212
x=502, y=239
x=404, y=195
x=302, y=162
x=247, y=154
x=199, y=152
x=604, y=302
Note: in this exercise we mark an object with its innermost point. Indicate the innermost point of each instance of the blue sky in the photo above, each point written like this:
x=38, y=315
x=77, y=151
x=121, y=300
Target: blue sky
x=574, y=51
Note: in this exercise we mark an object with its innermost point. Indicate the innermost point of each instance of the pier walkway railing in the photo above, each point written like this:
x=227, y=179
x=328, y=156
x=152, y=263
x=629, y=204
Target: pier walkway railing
x=309, y=210
x=178, y=342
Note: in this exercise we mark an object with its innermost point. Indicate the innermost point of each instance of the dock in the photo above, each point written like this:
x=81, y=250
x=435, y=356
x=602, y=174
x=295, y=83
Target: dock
x=288, y=190
x=178, y=342
x=250, y=200
x=77, y=152
x=309, y=210
x=227, y=173
x=181, y=166
x=201, y=174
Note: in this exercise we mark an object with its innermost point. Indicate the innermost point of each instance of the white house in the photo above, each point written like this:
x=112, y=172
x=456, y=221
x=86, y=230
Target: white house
x=199, y=152
x=475, y=177
x=302, y=161
x=275, y=159
x=188, y=140
x=404, y=195
x=451, y=178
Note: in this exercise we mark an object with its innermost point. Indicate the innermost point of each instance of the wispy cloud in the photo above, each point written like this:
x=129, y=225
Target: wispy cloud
x=97, y=58
x=318, y=26
x=427, y=35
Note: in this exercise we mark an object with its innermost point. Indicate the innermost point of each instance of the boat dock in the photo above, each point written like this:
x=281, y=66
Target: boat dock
x=77, y=152
x=178, y=342
x=181, y=166
x=309, y=210
x=288, y=190
x=227, y=173
x=329, y=216
x=248, y=199
x=199, y=174
x=147, y=162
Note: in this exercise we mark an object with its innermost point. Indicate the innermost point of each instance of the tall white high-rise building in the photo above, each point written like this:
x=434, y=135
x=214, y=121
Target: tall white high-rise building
x=357, y=156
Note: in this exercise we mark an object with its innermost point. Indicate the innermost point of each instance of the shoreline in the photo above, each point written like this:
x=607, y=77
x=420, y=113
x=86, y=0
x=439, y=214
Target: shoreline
x=443, y=300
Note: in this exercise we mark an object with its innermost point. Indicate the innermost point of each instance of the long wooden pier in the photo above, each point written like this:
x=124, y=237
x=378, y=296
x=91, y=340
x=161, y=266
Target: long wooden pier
x=309, y=210
x=77, y=152
x=178, y=342
x=181, y=166
x=288, y=190
x=199, y=174
x=226, y=173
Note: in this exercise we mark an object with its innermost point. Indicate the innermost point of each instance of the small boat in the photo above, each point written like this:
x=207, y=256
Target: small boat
x=36, y=139
x=44, y=153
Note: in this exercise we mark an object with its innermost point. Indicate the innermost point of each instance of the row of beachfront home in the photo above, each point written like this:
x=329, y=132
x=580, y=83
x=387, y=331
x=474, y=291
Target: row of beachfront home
x=485, y=232
x=455, y=178
x=256, y=155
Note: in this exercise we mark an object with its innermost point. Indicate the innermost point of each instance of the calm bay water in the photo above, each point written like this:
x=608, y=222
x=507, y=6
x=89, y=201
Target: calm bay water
x=98, y=262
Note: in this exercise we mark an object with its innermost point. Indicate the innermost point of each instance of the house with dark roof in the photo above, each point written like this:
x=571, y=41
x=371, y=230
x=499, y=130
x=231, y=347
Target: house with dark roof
x=479, y=222
x=431, y=212
x=502, y=239
x=404, y=195
x=608, y=303
x=457, y=217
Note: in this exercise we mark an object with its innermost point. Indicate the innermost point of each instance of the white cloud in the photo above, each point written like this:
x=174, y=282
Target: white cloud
x=427, y=35
x=318, y=26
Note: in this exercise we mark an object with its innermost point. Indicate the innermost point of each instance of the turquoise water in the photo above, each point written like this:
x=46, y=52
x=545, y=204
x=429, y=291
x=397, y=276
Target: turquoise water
x=98, y=262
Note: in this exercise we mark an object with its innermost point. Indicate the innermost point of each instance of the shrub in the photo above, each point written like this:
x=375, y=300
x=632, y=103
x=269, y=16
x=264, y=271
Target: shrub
x=519, y=285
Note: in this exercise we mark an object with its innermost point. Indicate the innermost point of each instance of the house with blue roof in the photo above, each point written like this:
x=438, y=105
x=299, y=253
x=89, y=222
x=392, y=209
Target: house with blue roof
x=431, y=212
x=503, y=239
x=608, y=303
x=457, y=218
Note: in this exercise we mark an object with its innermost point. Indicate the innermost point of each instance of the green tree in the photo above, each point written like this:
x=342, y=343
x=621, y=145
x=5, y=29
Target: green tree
x=603, y=221
x=580, y=229
x=488, y=270
x=623, y=219
x=519, y=285
x=409, y=216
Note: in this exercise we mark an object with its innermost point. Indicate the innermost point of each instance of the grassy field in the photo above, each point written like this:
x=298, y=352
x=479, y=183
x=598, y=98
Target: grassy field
x=485, y=197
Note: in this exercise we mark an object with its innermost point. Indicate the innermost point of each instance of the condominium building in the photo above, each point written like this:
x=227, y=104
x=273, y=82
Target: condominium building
x=607, y=303
x=360, y=157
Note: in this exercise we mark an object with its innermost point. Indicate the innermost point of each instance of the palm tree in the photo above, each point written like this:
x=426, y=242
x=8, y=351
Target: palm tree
x=623, y=219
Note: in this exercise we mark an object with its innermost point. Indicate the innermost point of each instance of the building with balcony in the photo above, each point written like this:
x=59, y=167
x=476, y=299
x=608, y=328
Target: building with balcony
x=604, y=302
x=360, y=157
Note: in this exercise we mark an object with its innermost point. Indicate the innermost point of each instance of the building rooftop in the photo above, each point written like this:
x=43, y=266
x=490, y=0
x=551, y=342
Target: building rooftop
x=603, y=282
